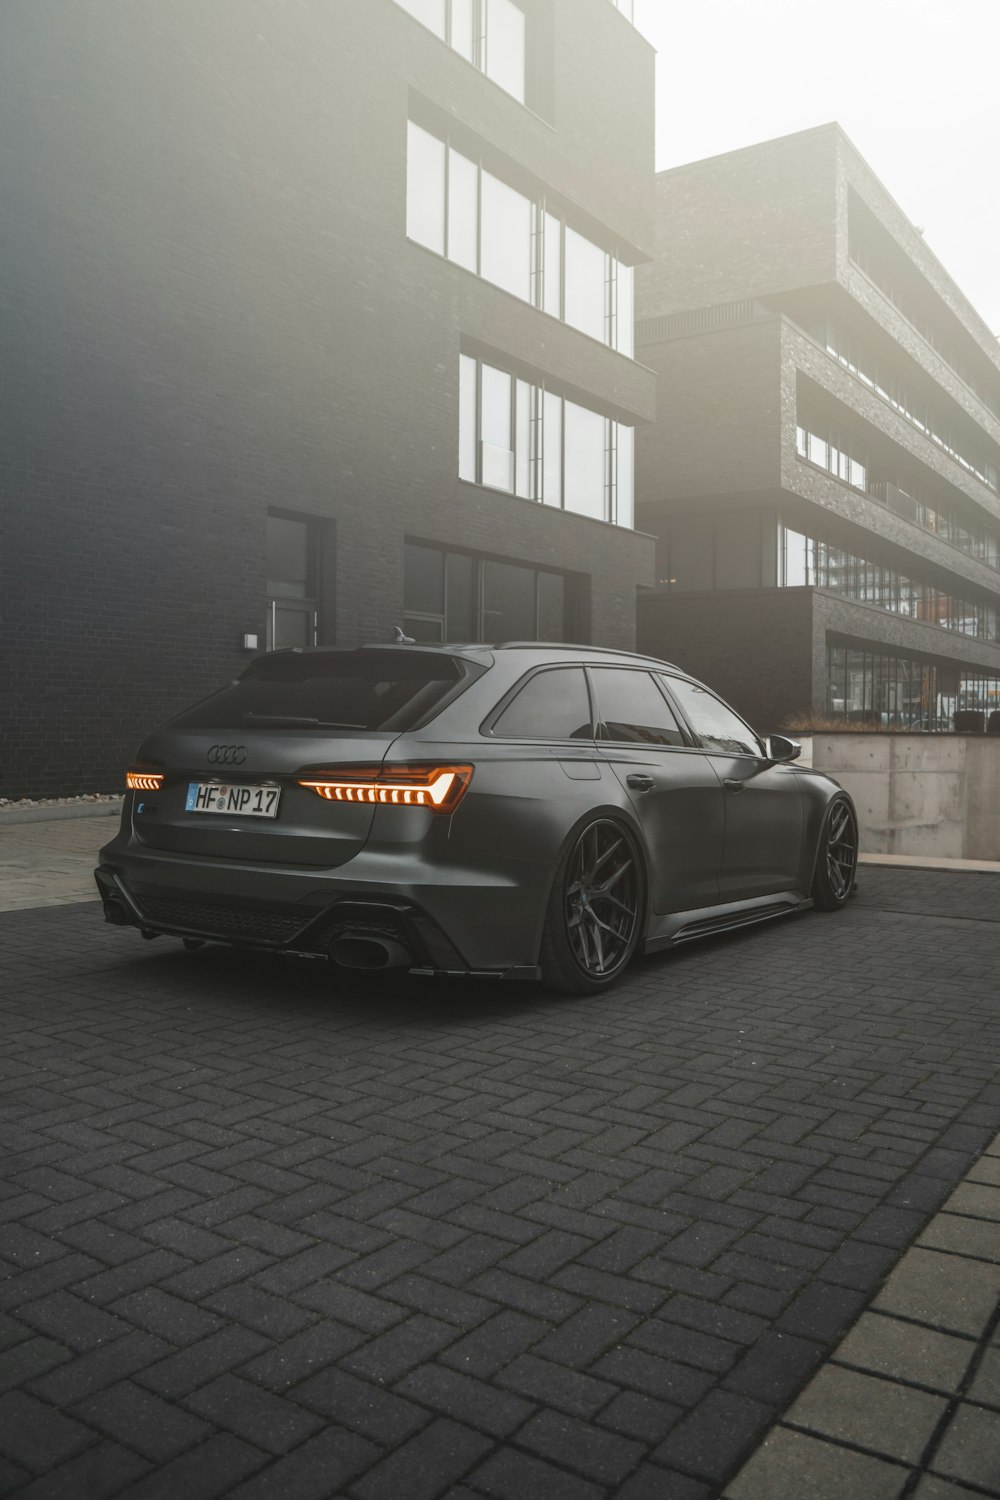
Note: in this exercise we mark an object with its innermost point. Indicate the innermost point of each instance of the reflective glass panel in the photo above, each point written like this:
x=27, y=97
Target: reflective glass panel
x=498, y=456
x=552, y=449
x=425, y=188
x=287, y=557
x=422, y=630
x=632, y=709
x=463, y=28
x=508, y=602
x=552, y=284
x=460, y=580
x=794, y=572
x=430, y=12
x=551, y=706
x=585, y=278
x=524, y=478
x=423, y=587
x=467, y=418
x=715, y=725
x=626, y=475
x=292, y=627
x=463, y=177
x=584, y=462
x=505, y=250
x=552, y=607
x=505, y=46
x=626, y=309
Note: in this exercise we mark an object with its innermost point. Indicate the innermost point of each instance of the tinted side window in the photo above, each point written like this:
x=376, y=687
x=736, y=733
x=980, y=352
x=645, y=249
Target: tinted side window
x=715, y=725
x=551, y=706
x=631, y=707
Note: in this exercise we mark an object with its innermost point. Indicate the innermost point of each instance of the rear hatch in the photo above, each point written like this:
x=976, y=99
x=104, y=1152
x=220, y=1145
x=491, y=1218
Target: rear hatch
x=292, y=716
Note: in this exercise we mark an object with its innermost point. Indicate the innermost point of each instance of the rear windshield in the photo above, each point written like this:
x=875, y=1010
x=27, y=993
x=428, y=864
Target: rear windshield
x=391, y=690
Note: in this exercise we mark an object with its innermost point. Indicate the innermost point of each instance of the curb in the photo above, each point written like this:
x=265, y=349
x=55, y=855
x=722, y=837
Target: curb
x=16, y=815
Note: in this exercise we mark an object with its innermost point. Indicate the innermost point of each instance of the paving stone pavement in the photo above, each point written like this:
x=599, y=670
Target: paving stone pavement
x=268, y=1233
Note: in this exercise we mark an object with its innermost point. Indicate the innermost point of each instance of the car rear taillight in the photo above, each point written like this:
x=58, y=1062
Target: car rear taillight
x=139, y=780
x=438, y=788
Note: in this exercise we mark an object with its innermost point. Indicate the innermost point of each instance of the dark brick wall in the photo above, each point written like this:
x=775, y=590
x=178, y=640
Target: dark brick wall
x=718, y=426
x=208, y=307
x=749, y=223
x=754, y=648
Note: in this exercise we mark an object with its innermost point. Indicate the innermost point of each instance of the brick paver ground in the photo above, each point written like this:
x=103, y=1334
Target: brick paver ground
x=270, y=1233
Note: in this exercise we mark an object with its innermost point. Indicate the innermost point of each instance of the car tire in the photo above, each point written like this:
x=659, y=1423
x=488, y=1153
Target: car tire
x=836, y=857
x=596, y=910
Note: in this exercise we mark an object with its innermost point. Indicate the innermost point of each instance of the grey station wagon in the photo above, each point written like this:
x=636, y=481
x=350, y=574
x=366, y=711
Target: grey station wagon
x=521, y=810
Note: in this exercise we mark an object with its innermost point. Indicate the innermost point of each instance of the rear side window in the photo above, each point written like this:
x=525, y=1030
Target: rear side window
x=715, y=724
x=632, y=709
x=390, y=690
x=551, y=706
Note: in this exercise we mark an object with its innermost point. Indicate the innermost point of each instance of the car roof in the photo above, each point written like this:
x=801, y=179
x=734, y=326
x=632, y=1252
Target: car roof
x=540, y=649
x=537, y=652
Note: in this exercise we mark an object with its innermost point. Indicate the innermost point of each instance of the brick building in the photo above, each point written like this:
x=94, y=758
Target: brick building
x=822, y=478
x=315, y=319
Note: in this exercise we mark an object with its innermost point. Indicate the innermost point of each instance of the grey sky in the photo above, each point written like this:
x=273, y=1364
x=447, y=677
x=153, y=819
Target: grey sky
x=915, y=83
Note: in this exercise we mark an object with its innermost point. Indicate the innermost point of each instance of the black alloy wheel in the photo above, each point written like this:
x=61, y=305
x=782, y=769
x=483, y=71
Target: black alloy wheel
x=594, y=917
x=838, y=856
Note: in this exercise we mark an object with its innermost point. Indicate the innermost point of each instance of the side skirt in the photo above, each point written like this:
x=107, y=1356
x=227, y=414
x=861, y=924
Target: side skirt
x=676, y=927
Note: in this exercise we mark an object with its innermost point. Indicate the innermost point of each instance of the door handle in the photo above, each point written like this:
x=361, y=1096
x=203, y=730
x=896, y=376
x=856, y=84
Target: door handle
x=734, y=786
x=640, y=782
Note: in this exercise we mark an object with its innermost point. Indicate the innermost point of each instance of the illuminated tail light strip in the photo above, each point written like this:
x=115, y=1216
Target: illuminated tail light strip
x=438, y=788
x=143, y=781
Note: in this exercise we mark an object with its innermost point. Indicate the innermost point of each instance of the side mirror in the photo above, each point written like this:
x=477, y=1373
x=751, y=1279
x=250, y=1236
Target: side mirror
x=778, y=748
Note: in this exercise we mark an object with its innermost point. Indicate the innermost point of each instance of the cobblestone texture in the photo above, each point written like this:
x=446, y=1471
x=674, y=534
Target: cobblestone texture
x=269, y=1232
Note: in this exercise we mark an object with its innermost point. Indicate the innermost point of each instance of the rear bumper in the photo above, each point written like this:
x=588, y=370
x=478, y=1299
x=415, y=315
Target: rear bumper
x=449, y=920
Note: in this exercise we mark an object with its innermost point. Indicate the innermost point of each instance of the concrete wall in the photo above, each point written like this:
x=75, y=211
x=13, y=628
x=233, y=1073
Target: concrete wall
x=936, y=795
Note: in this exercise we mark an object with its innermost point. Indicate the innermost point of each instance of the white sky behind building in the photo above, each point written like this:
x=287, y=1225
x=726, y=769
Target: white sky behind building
x=914, y=83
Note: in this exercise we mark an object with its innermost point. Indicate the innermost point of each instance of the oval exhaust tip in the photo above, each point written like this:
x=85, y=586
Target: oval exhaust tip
x=115, y=913
x=353, y=951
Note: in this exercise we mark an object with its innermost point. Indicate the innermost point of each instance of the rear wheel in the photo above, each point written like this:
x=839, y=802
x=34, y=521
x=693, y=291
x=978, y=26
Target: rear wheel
x=837, y=860
x=595, y=910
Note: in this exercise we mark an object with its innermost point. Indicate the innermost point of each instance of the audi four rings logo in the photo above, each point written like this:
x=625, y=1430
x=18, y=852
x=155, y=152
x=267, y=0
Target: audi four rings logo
x=227, y=755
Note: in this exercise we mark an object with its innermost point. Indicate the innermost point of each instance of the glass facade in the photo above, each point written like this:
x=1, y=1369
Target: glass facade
x=818, y=442
x=458, y=209
x=532, y=442
x=866, y=687
x=808, y=561
x=456, y=596
x=870, y=688
x=490, y=34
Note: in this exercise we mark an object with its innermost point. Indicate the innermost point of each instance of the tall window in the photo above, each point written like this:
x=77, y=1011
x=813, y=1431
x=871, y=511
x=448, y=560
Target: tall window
x=532, y=442
x=490, y=34
x=292, y=582
x=459, y=209
x=456, y=596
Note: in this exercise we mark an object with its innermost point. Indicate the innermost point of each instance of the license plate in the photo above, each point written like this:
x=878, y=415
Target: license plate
x=235, y=801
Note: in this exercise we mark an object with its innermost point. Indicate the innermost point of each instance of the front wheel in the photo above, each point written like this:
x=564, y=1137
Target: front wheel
x=837, y=859
x=593, y=923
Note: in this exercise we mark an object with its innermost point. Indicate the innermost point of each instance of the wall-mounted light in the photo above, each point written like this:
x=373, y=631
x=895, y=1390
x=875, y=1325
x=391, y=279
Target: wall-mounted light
x=250, y=643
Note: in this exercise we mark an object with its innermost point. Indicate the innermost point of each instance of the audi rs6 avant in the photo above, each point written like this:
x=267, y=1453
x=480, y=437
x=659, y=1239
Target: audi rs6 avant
x=522, y=810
